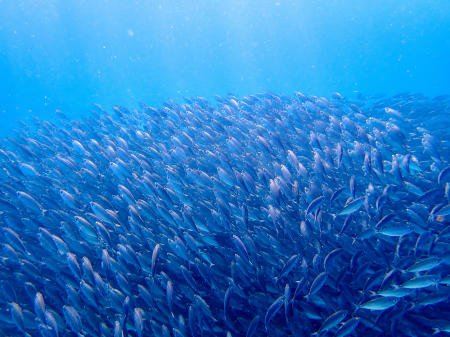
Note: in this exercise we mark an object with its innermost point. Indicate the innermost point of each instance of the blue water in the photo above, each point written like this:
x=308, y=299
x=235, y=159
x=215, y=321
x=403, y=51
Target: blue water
x=271, y=212
x=68, y=55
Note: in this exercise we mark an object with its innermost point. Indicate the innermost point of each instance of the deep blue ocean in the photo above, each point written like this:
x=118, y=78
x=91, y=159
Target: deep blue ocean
x=68, y=55
x=224, y=168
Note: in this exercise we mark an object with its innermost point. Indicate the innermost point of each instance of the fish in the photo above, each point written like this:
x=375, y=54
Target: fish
x=444, y=175
x=73, y=319
x=314, y=204
x=352, y=207
x=424, y=264
x=420, y=282
x=39, y=306
x=395, y=230
x=154, y=260
x=252, y=326
x=272, y=311
x=395, y=292
x=332, y=321
x=444, y=211
x=380, y=303
x=287, y=215
x=317, y=283
x=289, y=266
x=347, y=327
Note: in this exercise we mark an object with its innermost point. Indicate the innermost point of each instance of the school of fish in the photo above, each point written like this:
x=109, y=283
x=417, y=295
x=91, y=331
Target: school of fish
x=266, y=215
